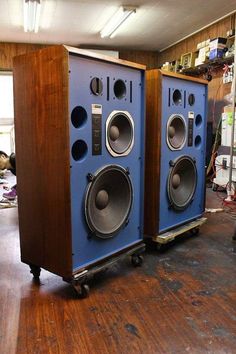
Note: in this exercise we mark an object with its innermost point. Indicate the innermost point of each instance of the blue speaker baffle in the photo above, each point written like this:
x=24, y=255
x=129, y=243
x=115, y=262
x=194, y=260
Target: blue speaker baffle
x=182, y=155
x=107, y=183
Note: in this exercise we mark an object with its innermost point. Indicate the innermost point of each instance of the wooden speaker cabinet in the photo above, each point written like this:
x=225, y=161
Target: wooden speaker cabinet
x=176, y=112
x=79, y=122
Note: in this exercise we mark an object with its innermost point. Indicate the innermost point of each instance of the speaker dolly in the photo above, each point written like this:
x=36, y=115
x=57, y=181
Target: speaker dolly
x=80, y=280
x=169, y=236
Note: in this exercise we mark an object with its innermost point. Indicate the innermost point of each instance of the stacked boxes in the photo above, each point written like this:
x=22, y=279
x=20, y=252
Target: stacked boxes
x=203, y=54
x=217, y=48
x=171, y=66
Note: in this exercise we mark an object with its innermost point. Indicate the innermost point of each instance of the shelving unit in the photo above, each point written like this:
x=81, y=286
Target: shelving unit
x=207, y=65
x=200, y=69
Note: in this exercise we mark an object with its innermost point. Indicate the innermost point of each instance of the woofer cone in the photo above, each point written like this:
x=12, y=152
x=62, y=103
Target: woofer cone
x=182, y=181
x=108, y=201
x=119, y=133
x=176, y=132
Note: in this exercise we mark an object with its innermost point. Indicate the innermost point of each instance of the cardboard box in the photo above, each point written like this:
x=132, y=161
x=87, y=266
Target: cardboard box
x=218, y=43
x=216, y=53
x=204, y=54
x=166, y=66
x=228, y=109
x=198, y=61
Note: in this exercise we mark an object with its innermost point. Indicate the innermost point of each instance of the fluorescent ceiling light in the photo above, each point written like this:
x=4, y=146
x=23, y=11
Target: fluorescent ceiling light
x=31, y=15
x=116, y=21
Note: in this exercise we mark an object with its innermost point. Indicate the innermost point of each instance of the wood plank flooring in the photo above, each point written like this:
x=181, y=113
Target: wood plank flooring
x=182, y=300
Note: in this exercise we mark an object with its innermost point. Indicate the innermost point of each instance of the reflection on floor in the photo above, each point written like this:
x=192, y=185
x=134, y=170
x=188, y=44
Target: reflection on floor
x=182, y=300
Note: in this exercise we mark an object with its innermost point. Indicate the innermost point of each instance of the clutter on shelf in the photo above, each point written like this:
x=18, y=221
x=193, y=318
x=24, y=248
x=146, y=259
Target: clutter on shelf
x=216, y=51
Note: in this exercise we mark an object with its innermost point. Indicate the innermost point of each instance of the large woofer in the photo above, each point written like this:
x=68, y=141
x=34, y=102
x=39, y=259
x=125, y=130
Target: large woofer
x=176, y=132
x=108, y=201
x=119, y=133
x=182, y=181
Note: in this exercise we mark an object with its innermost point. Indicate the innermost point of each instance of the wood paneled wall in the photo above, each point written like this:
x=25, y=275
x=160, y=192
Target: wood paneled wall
x=216, y=89
x=218, y=29
x=9, y=50
x=153, y=60
x=150, y=59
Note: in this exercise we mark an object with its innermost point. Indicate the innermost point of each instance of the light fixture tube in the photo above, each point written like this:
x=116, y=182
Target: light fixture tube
x=116, y=21
x=31, y=15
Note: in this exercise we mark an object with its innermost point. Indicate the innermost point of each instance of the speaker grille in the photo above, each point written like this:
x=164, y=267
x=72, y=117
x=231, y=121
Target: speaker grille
x=119, y=133
x=182, y=181
x=108, y=201
x=176, y=132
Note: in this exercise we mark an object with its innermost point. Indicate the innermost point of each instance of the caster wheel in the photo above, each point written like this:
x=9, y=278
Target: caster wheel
x=136, y=260
x=82, y=290
x=195, y=231
x=162, y=247
x=214, y=187
x=35, y=270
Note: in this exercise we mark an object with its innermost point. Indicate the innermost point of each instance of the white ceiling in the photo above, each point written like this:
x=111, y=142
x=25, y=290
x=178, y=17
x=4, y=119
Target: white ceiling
x=156, y=25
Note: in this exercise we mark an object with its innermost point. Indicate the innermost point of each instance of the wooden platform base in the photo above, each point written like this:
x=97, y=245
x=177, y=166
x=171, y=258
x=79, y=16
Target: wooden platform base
x=169, y=236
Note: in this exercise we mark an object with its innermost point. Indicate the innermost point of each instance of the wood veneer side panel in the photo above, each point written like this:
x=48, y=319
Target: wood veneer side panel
x=98, y=56
x=183, y=77
x=152, y=158
x=42, y=152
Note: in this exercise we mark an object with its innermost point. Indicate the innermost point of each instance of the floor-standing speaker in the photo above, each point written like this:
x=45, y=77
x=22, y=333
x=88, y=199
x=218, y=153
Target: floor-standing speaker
x=175, y=150
x=79, y=121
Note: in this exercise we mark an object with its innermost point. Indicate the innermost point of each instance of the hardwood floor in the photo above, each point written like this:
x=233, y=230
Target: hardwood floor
x=182, y=300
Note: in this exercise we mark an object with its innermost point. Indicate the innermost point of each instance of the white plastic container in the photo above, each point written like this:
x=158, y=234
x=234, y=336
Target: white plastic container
x=226, y=130
x=222, y=170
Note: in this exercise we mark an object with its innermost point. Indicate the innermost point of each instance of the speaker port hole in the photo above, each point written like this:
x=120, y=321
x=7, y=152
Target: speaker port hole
x=191, y=99
x=119, y=89
x=177, y=97
x=79, y=150
x=78, y=116
x=198, y=120
x=198, y=141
